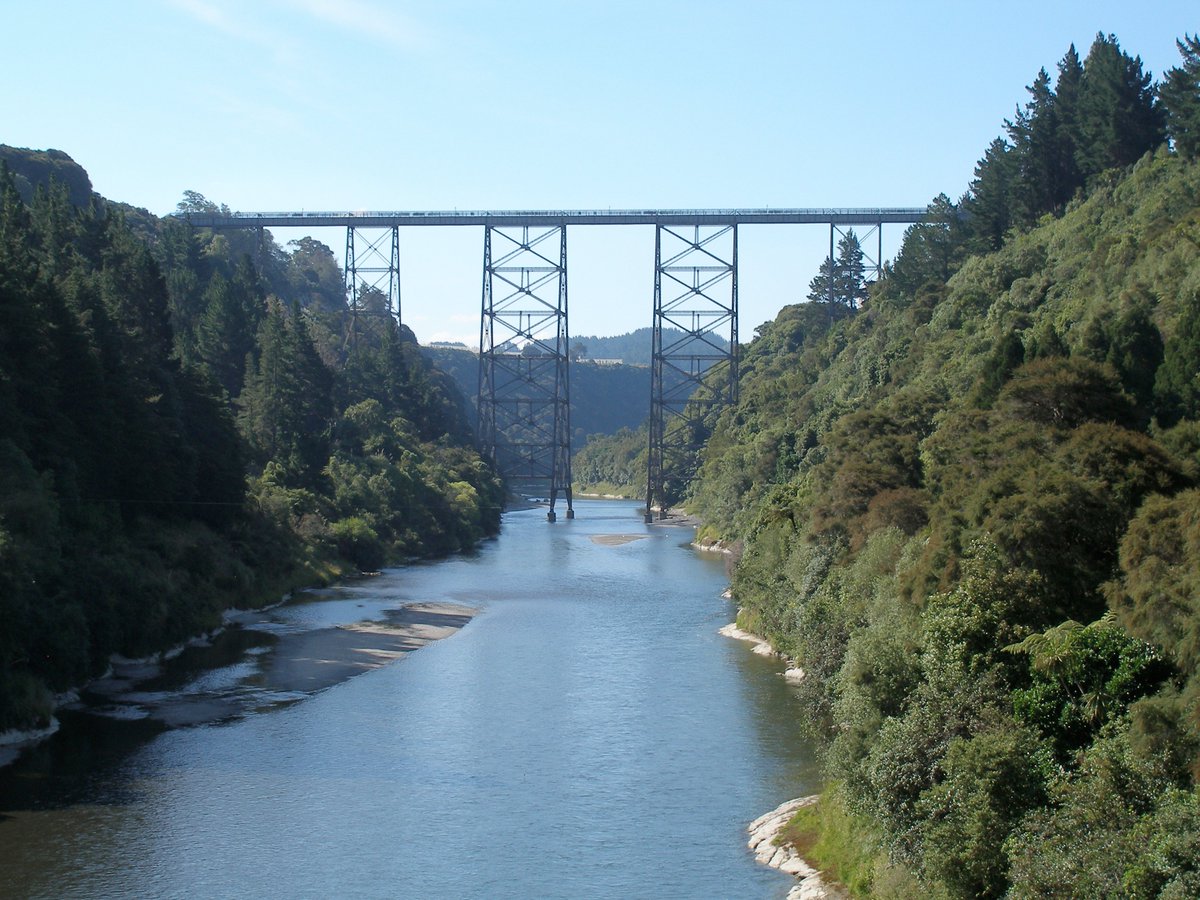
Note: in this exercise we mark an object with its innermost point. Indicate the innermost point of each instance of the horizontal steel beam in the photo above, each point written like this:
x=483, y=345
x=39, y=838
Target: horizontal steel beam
x=552, y=218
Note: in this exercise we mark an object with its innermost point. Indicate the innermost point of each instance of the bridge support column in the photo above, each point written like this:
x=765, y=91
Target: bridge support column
x=524, y=361
x=372, y=280
x=693, y=374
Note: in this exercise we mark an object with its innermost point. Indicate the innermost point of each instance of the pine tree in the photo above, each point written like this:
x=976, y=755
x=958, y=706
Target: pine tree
x=1034, y=138
x=1180, y=96
x=187, y=271
x=313, y=404
x=932, y=249
x=850, y=283
x=989, y=201
x=248, y=287
x=261, y=416
x=841, y=283
x=1119, y=120
x=223, y=336
x=25, y=378
x=1066, y=102
x=286, y=404
x=821, y=288
x=53, y=220
x=135, y=295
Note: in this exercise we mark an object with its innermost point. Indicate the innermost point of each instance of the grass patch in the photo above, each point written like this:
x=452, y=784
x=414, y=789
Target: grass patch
x=802, y=832
x=748, y=621
x=842, y=846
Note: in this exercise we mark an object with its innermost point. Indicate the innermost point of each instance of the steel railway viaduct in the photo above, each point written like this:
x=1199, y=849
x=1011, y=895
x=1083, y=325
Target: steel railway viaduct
x=524, y=359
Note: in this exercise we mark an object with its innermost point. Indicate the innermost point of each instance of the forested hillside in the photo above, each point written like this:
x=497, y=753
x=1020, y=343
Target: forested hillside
x=189, y=422
x=970, y=511
x=633, y=348
x=604, y=399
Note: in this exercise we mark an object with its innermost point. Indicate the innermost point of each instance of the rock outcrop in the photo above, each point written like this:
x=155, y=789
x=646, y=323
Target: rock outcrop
x=763, y=832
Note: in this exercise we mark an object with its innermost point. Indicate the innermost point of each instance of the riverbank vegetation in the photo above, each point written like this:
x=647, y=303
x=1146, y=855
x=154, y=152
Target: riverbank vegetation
x=192, y=420
x=614, y=464
x=970, y=510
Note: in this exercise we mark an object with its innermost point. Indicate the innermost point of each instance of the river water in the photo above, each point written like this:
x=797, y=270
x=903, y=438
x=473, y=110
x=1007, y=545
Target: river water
x=587, y=734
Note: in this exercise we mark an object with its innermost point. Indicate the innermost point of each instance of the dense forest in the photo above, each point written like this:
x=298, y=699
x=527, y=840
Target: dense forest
x=604, y=399
x=193, y=420
x=632, y=348
x=970, y=510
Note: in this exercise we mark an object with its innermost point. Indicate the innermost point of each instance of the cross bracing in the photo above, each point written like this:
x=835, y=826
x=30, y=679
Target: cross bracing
x=695, y=374
x=524, y=365
x=524, y=391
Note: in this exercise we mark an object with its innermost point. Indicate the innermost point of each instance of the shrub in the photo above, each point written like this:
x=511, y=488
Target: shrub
x=358, y=542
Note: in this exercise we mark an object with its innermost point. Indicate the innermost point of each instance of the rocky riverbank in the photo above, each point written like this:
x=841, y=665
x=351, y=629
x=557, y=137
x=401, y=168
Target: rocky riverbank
x=14, y=741
x=763, y=647
x=271, y=660
x=256, y=661
x=764, y=832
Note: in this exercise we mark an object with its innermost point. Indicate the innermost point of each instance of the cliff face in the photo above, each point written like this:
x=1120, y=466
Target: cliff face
x=37, y=168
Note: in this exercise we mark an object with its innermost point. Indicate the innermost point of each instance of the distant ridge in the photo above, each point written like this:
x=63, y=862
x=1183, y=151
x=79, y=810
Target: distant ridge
x=633, y=348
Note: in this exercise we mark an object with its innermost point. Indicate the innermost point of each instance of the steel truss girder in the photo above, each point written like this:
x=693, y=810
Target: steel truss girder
x=372, y=278
x=524, y=361
x=695, y=292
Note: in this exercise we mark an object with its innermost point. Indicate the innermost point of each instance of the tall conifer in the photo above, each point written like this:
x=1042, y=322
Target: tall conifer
x=1180, y=95
x=1118, y=117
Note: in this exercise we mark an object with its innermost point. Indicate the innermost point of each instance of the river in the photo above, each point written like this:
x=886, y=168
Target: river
x=587, y=734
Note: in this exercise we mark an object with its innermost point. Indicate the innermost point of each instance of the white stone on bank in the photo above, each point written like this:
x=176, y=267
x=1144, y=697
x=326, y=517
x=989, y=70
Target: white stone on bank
x=761, y=646
x=15, y=737
x=784, y=857
x=13, y=741
x=793, y=673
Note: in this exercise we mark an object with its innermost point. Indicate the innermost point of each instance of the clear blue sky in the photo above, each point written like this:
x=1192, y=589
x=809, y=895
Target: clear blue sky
x=470, y=104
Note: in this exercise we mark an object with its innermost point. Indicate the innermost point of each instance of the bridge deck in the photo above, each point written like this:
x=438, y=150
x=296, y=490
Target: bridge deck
x=551, y=218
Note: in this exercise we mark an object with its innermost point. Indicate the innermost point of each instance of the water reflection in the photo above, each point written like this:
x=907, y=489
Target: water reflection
x=588, y=734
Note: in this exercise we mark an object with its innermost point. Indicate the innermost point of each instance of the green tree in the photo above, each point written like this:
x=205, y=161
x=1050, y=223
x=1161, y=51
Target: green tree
x=841, y=282
x=990, y=781
x=195, y=202
x=1119, y=120
x=1034, y=135
x=851, y=286
x=225, y=332
x=1158, y=594
x=1177, y=382
x=932, y=249
x=1099, y=834
x=1066, y=103
x=286, y=404
x=315, y=277
x=989, y=201
x=186, y=270
x=821, y=288
x=1180, y=97
x=1082, y=677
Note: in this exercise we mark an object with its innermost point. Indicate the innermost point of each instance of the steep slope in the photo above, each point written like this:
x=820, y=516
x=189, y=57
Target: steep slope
x=186, y=425
x=934, y=494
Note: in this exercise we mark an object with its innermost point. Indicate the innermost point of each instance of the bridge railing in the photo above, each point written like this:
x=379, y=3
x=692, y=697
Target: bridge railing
x=725, y=216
